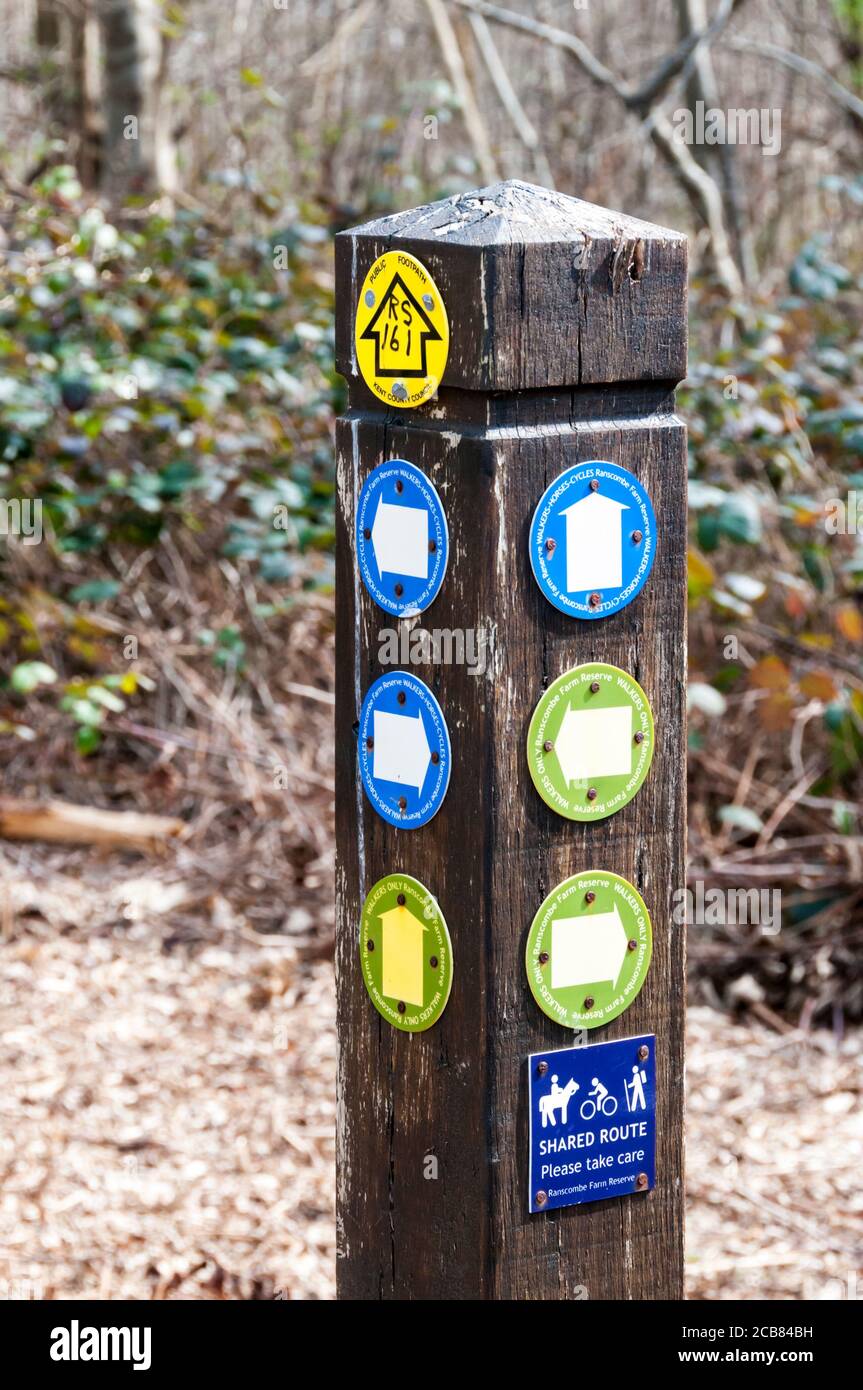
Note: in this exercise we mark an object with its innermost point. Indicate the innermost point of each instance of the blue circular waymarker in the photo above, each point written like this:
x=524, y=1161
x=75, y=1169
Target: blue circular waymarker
x=404, y=748
x=402, y=538
x=592, y=540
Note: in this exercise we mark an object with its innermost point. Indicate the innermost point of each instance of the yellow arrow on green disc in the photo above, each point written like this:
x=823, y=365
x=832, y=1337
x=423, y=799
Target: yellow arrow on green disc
x=405, y=953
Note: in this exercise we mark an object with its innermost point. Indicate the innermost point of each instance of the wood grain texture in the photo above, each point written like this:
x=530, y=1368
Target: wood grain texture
x=541, y=289
x=459, y=1091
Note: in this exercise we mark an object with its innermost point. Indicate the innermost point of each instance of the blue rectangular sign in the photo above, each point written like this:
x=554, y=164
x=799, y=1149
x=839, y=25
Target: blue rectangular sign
x=592, y=1122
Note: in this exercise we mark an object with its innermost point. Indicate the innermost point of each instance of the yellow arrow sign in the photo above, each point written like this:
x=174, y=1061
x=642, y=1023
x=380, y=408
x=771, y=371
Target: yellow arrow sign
x=402, y=331
x=403, y=955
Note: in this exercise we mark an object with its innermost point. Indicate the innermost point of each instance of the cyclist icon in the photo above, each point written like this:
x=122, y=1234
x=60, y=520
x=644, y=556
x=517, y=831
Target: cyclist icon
x=602, y=1102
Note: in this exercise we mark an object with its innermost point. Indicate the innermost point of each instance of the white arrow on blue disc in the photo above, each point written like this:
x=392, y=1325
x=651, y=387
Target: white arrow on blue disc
x=404, y=750
x=402, y=538
x=593, y=539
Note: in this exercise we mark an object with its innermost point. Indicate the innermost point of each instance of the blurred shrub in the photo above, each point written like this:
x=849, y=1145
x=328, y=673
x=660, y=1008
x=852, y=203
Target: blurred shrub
x=162, y=373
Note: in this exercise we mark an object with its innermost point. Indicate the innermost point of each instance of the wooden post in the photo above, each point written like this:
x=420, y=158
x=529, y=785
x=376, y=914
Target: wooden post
x=568, y=337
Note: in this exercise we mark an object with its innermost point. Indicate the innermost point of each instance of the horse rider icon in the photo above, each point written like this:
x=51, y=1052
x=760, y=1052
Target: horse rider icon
x=558, y=1098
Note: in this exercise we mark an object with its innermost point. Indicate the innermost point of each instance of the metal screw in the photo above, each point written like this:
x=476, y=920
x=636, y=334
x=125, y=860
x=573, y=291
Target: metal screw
x=401, y=899
x=435, y=758
x=641, y=1182
x=643, y=1052
x=399, y=394
x=400, y=487
x=591, y=793
x=543, y=957
x=432, y=547
x=594, y=485
x=548, y=745
x=542, y=1068
x=370, y=945
x=589, y=1002
x=370, y=743
x=400, y=588
x=541, y=1198
x=433, y=962
x=590, y=897
x=637, y=537
x=551, y=544
x=594, y=686
x=595, y=600
x=401, y=1008
x=632, y=944
x=370, y=298
x=428, y=301
x=367, y=535
x=401, y=697
x=639, y=737
x=403, y=805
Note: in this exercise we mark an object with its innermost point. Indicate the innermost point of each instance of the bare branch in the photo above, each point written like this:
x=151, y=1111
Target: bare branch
x=700, y=187
x=524, y=127
x=459, y=78
x=638, y=99
x=805, y=66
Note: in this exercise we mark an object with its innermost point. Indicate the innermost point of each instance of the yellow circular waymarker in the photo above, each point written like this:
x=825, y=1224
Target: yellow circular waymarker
x=402, y=331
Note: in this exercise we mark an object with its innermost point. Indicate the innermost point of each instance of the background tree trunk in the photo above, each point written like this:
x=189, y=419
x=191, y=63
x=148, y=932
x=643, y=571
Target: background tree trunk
x=139, y=156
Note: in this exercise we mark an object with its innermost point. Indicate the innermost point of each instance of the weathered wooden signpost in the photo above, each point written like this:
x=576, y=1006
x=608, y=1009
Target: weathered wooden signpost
x=510, y=760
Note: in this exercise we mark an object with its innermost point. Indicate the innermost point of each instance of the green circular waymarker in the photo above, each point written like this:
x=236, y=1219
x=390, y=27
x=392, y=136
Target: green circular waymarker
x=589, y=949
x=590, y=742
x=406, y=953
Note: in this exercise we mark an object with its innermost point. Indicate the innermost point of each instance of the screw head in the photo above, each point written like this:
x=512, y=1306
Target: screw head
x=400, y=487
x=403, y=803
x=548, y=745
x=428, y=301
x=433, y=962
x=595, y=600
x=639, y=737
x=641, y=1182
x=370, y=743
x=591, y=793
x=401, y=697
x=594, y=485
x=589, y=1002
x=400, y=588
x=367, y=535
x=370, y=299
x=643, y=1052
x=400, y=394
x=551, y=544
x=401, y=899
x=370, y=945
x=435, y=757
x=541, y=1068
x=590, y=897
x=432, y=547
x=632, y=944
x=541, y=1198
x=401, y=1007
x=543, y=957
x=594, y=687
x=637, y=538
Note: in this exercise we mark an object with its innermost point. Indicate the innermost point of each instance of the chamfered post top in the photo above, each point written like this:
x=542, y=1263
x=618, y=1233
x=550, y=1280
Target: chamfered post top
x=541, y=289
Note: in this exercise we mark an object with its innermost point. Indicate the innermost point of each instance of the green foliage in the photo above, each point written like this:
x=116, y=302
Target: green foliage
x=148, y=372
x=775, y=438
x=154, y=376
